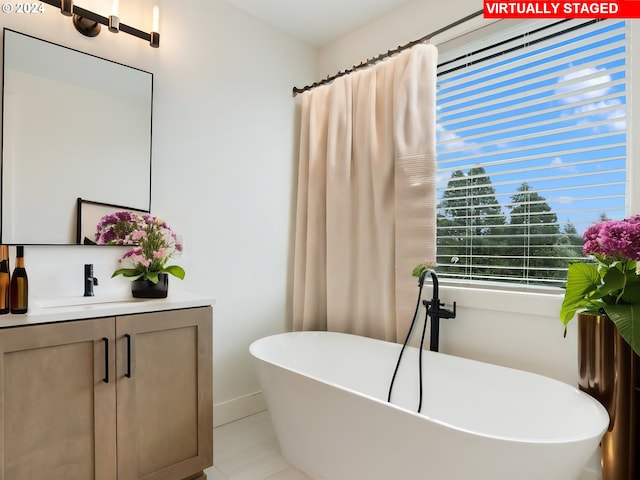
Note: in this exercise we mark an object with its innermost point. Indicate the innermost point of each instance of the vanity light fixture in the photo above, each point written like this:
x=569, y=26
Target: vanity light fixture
x=89, y=23
x=66, y=7
x=114, y=21
x=155, y=36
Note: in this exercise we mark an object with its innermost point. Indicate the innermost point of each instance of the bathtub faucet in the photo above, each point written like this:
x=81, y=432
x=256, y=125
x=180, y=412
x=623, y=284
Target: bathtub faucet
x=434, y=310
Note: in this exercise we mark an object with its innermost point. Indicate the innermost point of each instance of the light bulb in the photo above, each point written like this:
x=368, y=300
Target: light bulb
x=156, y=19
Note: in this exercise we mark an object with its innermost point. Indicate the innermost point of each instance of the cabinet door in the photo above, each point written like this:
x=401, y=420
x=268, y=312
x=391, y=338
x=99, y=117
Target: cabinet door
x=57, y=413
x=165, y=405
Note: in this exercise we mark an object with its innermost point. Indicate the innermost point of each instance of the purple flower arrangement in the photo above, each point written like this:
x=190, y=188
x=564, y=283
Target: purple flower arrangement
x=614, y=240
x=610, y=283
x=153, y=241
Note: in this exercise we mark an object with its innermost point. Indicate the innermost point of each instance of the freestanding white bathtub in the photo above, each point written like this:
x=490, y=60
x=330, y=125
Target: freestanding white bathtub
x=327, y=392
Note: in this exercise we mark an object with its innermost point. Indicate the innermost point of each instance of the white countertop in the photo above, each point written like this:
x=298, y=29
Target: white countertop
x=62, y=309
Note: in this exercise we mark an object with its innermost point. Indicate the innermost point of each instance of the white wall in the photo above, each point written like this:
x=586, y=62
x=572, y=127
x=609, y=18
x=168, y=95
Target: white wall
x=224, y=150
x=414, y=21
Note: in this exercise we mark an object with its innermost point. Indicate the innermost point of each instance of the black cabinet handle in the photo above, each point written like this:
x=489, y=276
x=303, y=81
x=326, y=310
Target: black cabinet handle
x=106, y=359
x=128, y=337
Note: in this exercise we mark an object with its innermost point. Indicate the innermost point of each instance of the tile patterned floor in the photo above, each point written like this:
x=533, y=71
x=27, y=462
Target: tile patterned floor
x=247, y=449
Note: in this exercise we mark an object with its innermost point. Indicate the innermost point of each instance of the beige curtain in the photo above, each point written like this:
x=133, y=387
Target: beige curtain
x=366, y=197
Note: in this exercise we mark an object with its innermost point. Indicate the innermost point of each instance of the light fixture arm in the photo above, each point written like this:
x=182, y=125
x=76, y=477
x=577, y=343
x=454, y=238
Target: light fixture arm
x=88, y=23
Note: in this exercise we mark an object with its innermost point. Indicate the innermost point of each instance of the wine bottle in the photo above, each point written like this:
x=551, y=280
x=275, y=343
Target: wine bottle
x=19, y=288
x=5, y=279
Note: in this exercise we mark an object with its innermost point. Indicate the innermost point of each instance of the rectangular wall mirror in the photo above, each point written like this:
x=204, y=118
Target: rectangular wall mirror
x=73, y=126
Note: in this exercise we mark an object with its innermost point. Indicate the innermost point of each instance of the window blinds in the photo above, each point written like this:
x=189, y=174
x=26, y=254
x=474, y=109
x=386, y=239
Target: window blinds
x=531, y=148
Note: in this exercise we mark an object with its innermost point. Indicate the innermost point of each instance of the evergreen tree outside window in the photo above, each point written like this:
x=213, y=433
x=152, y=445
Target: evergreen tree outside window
x=531, y=147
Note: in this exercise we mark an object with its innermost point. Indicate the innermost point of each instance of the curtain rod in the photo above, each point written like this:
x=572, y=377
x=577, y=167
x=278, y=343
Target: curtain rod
x=390, y=53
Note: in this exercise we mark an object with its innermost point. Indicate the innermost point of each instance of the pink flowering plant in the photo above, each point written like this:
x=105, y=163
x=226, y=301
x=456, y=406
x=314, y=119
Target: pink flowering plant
x=153, y=241
x=610, y=283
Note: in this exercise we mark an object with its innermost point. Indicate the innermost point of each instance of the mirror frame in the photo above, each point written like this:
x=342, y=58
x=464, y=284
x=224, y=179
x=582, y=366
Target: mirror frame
x=73, y=236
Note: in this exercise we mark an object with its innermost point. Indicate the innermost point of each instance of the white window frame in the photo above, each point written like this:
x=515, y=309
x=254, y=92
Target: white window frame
x=546, y=301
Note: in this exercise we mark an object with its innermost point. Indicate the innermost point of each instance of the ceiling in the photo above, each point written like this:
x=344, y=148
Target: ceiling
x=318, y=22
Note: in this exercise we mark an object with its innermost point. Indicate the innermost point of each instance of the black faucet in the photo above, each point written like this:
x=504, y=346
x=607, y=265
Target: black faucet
x=434, y=310
x=89, y=280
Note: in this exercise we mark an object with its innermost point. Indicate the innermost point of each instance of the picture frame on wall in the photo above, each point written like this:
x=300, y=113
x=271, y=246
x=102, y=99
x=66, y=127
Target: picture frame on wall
x=89, y=213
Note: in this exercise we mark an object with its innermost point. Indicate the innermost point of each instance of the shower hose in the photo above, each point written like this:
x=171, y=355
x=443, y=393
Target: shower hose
x=409, y=333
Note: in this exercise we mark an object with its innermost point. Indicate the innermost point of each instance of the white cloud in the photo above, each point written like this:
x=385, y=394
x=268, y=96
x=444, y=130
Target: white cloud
x=588, y=89
x=596, y=78
x=559, y=163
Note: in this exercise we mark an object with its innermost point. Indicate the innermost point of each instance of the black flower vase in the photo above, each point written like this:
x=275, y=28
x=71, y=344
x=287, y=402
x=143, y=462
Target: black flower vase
x=147, y=289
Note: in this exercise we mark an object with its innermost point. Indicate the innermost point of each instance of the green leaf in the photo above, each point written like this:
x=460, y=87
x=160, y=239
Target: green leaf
x=627, y=320
x=613, y=284
x=582, y=279
x=175, y=270
x=614, y=280
x=418, y=270
x=128, y=272
x=632, y=290
x=151, y=276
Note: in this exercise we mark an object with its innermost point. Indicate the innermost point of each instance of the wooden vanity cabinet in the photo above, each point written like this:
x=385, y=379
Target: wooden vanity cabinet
x=164, y=401
x=57, y=413
x=127, y=398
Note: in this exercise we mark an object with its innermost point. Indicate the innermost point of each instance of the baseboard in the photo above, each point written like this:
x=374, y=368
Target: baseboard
x=238, y=408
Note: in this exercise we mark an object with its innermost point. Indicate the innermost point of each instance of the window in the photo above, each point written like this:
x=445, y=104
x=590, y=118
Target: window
x=531, y=147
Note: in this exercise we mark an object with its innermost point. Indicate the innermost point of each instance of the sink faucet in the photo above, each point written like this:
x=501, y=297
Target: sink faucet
x=434, y=310
x=89, y=280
